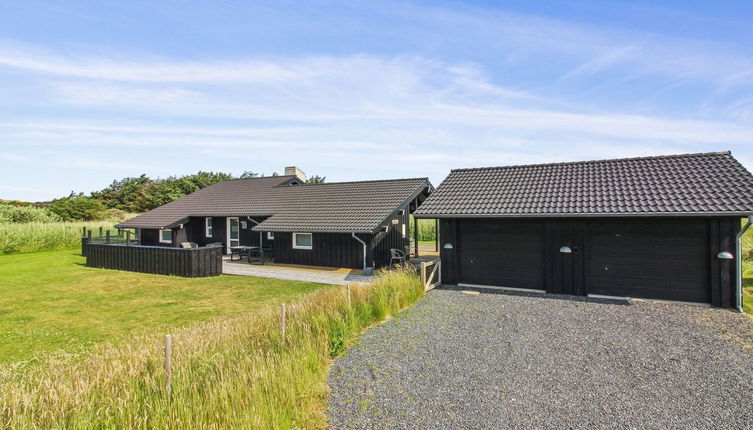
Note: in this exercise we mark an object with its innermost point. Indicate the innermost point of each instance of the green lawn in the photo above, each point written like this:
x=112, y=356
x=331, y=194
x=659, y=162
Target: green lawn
x=51, y=301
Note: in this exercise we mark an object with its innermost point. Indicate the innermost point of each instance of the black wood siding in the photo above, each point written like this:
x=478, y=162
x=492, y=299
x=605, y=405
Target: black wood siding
x=328, y=249
x=565, y=273
x=149, y=237
x=194, y=262
x=381, y=243
x=660, y=258
x=449, y=247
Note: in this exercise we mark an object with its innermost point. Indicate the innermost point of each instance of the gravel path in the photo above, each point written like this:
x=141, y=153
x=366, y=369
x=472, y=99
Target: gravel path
x=457, y=360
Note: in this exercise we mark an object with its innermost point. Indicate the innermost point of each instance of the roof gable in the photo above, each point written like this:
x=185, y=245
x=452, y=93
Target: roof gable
x=689, y=184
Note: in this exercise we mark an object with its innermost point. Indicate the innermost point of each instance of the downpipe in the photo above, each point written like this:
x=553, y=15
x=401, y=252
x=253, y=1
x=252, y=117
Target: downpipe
x=364, y=249
x=739, y=263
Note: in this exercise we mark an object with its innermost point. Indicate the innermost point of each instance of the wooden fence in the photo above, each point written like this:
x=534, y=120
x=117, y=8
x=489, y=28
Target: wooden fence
x=188, y=262
x=431, y=273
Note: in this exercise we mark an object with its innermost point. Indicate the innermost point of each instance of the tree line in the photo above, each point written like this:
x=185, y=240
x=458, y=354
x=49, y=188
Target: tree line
x=130, y=195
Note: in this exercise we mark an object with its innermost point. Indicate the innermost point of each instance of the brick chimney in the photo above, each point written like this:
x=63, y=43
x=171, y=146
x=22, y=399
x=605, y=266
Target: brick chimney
x=293, y=170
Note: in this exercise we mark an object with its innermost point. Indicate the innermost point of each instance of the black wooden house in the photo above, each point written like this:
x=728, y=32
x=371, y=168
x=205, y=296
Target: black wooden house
x=339, y=224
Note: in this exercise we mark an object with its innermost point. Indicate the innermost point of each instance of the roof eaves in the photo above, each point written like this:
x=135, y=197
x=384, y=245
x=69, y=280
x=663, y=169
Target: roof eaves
x=588, y=215
x=420, y=189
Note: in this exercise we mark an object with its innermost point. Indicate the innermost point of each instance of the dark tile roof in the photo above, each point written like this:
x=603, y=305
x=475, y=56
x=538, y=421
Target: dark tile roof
x=352, y=207
x=357, y=207
x=690, y=184
x=252, y=197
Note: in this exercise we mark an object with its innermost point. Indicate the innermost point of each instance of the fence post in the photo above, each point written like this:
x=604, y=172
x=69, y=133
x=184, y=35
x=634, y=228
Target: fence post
x=128, y=238
x=423, y=273
x=107, y=239
x=168, y=359
x=100, y=232
x=84, y=232
x=282, y=321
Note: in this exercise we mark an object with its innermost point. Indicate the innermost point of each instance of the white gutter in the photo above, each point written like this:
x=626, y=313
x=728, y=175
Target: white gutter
x=364, y=249
x=739, y=263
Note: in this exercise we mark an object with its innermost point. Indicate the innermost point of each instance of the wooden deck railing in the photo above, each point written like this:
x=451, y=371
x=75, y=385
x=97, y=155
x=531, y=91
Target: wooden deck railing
x=188, y=262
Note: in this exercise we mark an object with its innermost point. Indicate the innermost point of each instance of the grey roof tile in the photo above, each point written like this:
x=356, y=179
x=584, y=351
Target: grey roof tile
x=331, y=207
x=710, y=183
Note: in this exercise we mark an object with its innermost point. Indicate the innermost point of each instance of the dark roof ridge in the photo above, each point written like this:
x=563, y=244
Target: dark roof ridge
x=367, y=181
x=608, y=160
x=260, y=177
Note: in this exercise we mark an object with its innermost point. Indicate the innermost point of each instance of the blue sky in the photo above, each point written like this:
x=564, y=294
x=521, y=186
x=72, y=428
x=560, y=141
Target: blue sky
x=92, y=91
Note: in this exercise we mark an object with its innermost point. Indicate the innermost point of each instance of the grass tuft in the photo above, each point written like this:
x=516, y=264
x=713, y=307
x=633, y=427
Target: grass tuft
x=228, y=373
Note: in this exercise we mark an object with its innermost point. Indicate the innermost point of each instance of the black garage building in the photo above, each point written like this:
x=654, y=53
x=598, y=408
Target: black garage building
x=656, y=227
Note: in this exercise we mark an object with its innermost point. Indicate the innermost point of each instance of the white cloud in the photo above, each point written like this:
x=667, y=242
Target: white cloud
x=344, y=115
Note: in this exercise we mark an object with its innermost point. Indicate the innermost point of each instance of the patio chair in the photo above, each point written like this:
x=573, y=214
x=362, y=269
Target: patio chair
x=189, y=245
x=397, y=255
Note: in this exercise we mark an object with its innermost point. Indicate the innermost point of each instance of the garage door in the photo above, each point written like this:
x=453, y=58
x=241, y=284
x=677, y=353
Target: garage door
x=502, y=253
x=657, y=260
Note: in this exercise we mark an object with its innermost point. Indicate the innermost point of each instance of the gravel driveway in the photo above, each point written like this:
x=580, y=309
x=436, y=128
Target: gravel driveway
x=490, y=360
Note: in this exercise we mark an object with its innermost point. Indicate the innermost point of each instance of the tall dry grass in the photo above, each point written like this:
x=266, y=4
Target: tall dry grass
x=45, y=236
x=229, y=373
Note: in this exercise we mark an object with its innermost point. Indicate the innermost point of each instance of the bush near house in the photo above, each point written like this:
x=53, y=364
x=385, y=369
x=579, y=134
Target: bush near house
x=77, y=208
x=233, y=372
x=426, y=229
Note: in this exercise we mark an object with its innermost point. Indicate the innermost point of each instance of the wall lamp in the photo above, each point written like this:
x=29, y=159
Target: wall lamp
x=725, y=255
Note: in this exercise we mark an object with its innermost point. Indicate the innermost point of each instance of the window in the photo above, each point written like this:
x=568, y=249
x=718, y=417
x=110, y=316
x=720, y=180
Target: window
x=166, y=236
x=208, y=222
x=302, y=241
x=270, y=235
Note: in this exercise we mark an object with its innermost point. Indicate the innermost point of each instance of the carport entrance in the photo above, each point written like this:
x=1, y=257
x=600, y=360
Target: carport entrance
x=502, y=253
x=655, y=259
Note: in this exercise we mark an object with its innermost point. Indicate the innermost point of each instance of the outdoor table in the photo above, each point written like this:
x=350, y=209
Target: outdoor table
x=240, y=251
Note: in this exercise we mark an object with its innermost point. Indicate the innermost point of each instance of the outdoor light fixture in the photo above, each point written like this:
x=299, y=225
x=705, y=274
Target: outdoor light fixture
x=566, y=250
x=395, y=221
x=725, y=255
x=447, y=246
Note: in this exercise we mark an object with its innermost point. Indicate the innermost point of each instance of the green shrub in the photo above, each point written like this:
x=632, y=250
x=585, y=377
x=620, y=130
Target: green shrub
x=79, y=208
x=12, y=213
x=228, y=373
x=427, y=229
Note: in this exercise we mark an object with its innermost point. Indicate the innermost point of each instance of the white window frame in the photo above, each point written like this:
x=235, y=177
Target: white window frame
x=270, y=235
x=295, y=246
x=162, y=230
x=208, y=227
